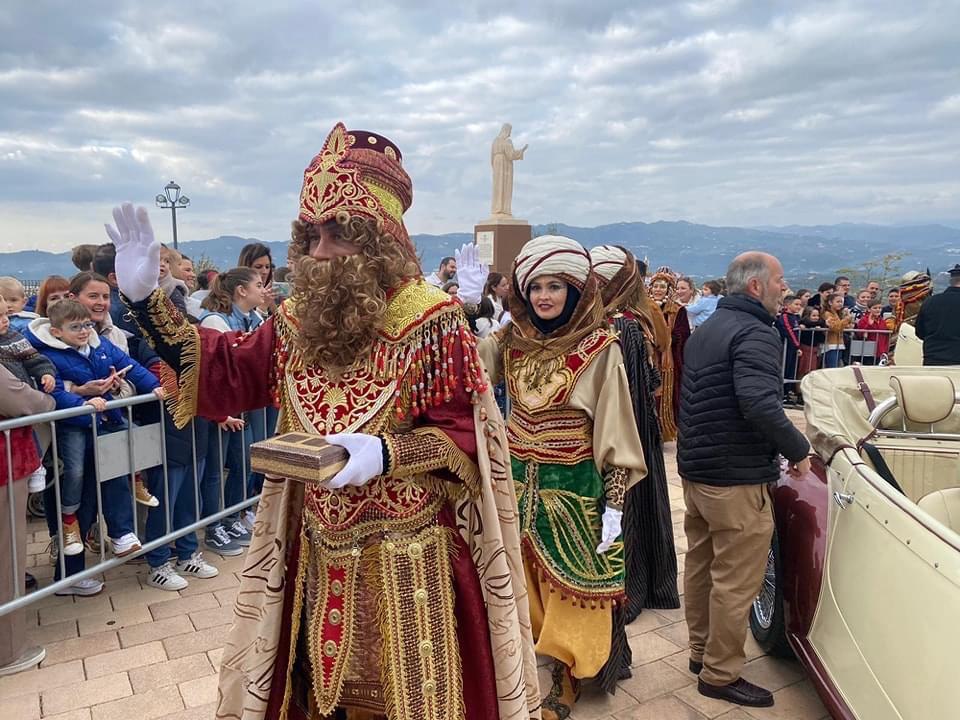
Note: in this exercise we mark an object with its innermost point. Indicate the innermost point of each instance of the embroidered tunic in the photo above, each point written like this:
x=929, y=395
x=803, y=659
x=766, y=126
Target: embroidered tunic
x=378, y=573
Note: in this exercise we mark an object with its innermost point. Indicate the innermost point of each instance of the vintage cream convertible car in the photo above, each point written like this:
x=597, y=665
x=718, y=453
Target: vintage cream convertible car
x=863, y=578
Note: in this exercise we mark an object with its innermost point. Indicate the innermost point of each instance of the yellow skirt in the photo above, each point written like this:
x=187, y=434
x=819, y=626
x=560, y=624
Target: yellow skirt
x=578, y=637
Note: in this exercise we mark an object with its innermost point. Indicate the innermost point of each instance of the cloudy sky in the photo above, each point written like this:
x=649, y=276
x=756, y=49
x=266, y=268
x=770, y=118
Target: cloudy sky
x=737, y=112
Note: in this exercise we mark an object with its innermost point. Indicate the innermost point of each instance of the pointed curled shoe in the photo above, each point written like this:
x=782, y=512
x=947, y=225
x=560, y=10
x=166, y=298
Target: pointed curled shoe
x=563, y=695
x=739, y=692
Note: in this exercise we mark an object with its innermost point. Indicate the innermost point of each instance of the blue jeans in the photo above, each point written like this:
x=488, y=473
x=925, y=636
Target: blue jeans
x=234, y=455
x=181, y=482
x=831, y=358
x=76, y=449
x=263, y=424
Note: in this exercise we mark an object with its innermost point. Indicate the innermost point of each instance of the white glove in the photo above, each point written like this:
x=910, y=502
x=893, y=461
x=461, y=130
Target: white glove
x=471, y=275
x=365, y=463
x=612, y=522
x=138, y=253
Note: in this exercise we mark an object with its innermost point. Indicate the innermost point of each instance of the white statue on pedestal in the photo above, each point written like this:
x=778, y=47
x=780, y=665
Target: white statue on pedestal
x=502, y=156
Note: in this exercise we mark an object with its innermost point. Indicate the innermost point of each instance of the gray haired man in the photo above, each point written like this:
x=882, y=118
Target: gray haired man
x=732, y=433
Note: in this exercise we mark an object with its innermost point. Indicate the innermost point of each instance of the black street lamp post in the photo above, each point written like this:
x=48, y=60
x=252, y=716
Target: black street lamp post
x=172, y=199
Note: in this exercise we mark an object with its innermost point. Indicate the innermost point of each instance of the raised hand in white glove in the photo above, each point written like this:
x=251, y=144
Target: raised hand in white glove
x=138, y=252
x=471, y=274
x=612, y=522
x=365, y=463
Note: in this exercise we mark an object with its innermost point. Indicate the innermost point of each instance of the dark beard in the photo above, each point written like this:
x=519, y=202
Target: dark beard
x=340, y=305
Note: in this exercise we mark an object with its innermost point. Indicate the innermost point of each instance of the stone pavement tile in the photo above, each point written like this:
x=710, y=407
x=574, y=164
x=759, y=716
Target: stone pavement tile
x=773, y=673
x=46, y=634
x=114, y=620
x=53, y=601
x=681, y=544
x=32, y=681
x=80, y=647
x=126, y=570
x=42, y=572
x=126, y=659
x=170, y=672
x=150, y=705
x=37, y=548
x=78, y=714
x=655, y=679
x=202, y=712
x=708, y=707
x=649, y=647
x=738, y=714
x=645, y=622
x=141, y=596
x=230, y=564
x=88, y=693
x=227, y=597
x=156, y=630
x=797, y=702
x=220, y=582
x=83, y=607
x=663, y=708
x=200, y=691
x=680, y=661
x=594, y=703
x=21, y=707
x=680, y=584
x=215, y=657
x=672, y=614
x=183, y=606
x=676, y=633
x=751, y=649
x=117, y=586
x=203, y=619
x=193, y=643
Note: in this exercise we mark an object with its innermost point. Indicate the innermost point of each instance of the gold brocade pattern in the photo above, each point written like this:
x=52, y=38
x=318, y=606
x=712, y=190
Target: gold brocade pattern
x=421, y=659
x=421, y=450
x=563, y=436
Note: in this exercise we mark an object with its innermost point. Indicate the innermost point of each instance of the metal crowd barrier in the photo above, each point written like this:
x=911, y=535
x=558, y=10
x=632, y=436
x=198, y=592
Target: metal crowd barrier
x=120, y=454
x=860, y=347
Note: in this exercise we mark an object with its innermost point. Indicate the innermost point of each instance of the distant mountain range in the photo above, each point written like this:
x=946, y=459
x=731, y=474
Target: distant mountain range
x=808, y=252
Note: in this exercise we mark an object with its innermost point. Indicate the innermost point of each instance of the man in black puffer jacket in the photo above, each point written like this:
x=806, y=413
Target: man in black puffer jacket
x=732, y=431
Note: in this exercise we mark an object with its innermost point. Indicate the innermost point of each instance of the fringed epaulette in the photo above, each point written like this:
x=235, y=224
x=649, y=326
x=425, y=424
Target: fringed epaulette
x=417, y=343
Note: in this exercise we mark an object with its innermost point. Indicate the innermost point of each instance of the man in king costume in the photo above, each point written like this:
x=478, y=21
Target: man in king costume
x=651, y=557
x=395, y=588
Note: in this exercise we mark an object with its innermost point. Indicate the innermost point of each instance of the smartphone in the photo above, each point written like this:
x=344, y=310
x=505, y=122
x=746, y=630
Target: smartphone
x=282, y=289
x=125, y=370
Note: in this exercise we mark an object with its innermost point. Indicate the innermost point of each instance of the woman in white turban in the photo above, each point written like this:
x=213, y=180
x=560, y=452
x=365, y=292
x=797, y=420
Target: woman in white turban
x=574, y=451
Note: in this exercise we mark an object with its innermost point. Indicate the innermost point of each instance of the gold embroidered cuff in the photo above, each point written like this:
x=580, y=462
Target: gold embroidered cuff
x=177, y=342
x=423, y=450
x=615, y=482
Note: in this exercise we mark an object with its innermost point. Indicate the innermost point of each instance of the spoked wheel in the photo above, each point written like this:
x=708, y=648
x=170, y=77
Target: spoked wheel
x=767, y=621
x=35, y=505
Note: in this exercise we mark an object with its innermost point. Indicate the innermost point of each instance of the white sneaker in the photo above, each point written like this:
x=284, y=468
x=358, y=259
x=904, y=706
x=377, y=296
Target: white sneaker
x=166, y=578
x=38, y=480
x=90, y=586
x=125, y=544
x=249, y=518
x=29, y=659
x=198, y=567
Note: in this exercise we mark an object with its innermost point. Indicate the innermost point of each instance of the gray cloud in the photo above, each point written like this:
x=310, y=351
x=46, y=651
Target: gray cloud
x=718, y=111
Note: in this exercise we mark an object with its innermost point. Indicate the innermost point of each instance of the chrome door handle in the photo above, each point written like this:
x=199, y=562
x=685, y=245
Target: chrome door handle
x=842, y=500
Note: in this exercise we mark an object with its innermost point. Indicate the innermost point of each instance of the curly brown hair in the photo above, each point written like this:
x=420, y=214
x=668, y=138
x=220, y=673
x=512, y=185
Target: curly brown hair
x=341, y=302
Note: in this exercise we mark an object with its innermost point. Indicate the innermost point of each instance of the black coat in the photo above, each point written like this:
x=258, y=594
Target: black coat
x=938, y=325
x=732, y=424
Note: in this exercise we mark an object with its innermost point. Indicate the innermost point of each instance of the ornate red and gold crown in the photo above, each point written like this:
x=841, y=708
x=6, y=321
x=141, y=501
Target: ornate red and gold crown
x=360, y=173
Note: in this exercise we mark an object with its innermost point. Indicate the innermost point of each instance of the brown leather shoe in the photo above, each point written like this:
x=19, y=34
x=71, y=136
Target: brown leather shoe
x=739, y=692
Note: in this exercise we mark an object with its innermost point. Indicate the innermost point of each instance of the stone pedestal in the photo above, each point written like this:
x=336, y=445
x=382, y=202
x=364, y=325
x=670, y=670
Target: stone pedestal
x=508, y=235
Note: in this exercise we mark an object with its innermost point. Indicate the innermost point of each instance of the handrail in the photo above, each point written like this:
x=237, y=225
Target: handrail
x=891, y=403
x=66, y=413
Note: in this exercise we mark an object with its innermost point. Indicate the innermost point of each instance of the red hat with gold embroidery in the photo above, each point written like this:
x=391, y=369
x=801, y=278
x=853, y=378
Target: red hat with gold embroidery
x=360, y=173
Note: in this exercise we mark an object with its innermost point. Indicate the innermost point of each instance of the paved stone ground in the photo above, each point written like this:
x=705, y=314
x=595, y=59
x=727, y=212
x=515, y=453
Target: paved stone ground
x=138, y=652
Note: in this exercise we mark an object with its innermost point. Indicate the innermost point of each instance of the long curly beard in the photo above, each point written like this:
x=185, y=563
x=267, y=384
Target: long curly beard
x=340, y=305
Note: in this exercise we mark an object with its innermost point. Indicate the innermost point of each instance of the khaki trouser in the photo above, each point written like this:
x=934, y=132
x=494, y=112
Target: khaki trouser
x=12, y=625
x=728, y=535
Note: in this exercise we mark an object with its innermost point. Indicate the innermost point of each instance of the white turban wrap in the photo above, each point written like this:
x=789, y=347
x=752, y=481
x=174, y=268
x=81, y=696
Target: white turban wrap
x=552, y=255
x=607, y=260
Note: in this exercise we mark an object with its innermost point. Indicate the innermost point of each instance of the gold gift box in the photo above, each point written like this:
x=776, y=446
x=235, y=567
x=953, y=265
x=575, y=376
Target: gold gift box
x=298, y=456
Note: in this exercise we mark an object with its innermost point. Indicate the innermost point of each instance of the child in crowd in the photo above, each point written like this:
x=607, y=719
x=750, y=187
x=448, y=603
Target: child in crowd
x=788, y=325
x=874, y=320
x=451, y=288
x=484, y=324
x=22, y=359
x=812, y=336
x=95, y=367
x=702, y=308
x=16, y=297
x=864, y=298
x=175, y=289
x=838, y=319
